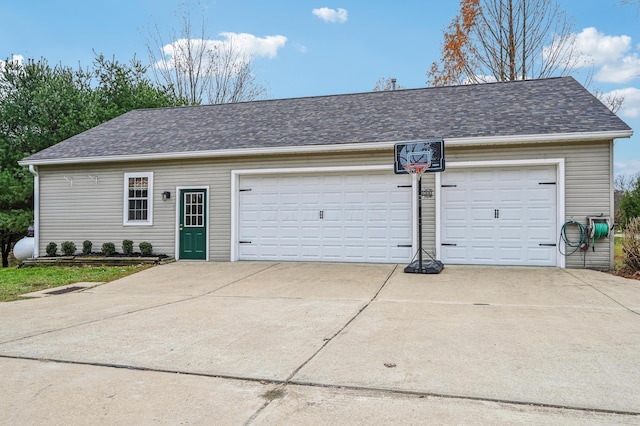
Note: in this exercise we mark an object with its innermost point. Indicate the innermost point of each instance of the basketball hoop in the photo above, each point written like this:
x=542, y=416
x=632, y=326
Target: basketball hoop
x=416, y=169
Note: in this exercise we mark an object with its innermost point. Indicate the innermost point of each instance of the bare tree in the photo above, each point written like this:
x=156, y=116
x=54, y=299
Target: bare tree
x=200, y=69
x=501, y=40
x=233, y=77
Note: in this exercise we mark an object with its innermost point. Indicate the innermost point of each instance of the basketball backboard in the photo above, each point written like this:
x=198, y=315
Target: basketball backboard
x=430, y=152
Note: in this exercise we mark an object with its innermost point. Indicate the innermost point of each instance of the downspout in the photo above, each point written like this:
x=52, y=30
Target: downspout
x=36, y=209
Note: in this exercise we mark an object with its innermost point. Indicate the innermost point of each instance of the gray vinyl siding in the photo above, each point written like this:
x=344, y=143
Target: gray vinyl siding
x=74, y=207
x=83, y=210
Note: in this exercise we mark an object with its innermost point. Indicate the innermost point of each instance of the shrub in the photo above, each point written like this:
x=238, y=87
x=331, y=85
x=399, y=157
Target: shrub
x=86, y=246
x=52, y=249
x=631, y=247
x=127, y=247
x=108, y=249
x=145, y=248
x=68, y=248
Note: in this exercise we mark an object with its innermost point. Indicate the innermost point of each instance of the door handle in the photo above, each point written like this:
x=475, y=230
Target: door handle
x=321, y=214
x=181, y=227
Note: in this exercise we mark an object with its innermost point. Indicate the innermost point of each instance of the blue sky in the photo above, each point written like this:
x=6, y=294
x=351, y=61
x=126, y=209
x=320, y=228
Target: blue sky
x=345, y=46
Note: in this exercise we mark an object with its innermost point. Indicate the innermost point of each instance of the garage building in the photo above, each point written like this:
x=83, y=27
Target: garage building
x=311, y=179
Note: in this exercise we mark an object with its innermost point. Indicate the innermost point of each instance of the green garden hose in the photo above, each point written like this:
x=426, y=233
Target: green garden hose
x=600, y=230
x=575, y=245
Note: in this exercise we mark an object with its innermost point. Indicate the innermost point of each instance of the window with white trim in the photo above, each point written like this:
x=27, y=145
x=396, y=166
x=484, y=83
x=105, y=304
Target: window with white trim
x=138, y=198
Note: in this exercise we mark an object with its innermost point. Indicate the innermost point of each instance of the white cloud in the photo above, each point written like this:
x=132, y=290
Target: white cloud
x=242, y=46
x=254, y=46
x=597, y=49
x=610, y=55
x=331, y=15
x=622, y=71
x=631, y=106
x=628, y=168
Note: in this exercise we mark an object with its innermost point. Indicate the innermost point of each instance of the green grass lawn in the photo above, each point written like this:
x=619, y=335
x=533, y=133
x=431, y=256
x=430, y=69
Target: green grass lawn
x=15, y=282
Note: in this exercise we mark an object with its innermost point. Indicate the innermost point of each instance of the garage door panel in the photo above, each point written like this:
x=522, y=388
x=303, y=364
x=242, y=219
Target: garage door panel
x=542, y=194
x=541, y=234
x=455, y=234
x=507, y=214
x=334, y=217
x=482, y=253
x=480, y=214
x=481, y=233
x=511, y=234
x=541, y=254
x=511, y=254
x=453, y=214
x=481, y=196
x=510, y=195
x=455, y=255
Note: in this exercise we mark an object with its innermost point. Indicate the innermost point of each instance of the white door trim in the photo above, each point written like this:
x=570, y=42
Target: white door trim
x=208, y=219
x=560, y=191
x=235, y=188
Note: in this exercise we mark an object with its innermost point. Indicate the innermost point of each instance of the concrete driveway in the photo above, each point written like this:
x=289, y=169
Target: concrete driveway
x=308, y=343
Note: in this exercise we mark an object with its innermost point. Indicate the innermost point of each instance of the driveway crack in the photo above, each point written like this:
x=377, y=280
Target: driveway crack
x=603, y=293
x=329, y=339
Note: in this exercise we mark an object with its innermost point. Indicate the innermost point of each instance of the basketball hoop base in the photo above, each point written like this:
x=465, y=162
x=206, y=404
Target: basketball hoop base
x=431, y=267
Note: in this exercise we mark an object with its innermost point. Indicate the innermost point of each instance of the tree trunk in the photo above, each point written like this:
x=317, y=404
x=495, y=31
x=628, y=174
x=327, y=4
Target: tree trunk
x=5, y=247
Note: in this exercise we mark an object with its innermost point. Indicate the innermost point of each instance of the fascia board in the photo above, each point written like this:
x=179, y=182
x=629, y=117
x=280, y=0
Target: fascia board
x=295, y=149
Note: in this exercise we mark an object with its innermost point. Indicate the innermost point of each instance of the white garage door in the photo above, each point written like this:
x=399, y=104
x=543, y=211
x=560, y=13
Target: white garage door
x=357, y=217
x=503, y=216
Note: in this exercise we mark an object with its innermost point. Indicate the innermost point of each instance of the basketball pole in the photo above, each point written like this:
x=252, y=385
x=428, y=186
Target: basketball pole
x=418, y=267
x=420, y=270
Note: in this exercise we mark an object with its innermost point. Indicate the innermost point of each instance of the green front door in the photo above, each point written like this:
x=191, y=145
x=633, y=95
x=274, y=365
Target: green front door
x=193, y=224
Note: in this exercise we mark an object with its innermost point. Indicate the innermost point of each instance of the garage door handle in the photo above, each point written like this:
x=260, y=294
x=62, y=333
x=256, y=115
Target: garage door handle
x=546, y=245
x=496, y=214
x=321, y=214
x=244, y=242
x=447, y=244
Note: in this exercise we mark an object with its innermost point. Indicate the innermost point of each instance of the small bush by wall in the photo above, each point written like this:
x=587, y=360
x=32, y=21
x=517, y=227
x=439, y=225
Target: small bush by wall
x=68, y=248
x=145, y=248
x=87, y=246
x=52, y=249
x=108, y=249
x=127, y=247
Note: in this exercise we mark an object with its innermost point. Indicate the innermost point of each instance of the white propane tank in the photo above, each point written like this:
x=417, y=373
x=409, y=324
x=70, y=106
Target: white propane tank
x=24, y=248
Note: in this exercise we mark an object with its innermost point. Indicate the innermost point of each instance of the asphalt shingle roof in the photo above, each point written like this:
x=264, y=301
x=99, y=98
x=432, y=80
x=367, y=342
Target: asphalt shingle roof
x=533, y=107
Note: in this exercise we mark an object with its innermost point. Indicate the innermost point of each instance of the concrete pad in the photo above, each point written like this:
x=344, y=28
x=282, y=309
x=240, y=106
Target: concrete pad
x=516, y=286
x=568, y=357
x=183, y=278
x=234, y=337
x=31, y=317
x=625, y=291
x=48, y=393
x=305, y=405
x=313, y=280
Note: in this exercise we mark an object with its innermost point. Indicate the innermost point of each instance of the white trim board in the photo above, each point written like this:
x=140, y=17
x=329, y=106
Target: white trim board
x=297, y=149
x=560, y=191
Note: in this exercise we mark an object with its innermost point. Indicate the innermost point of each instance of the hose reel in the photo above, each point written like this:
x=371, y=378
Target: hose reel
x=597, y=227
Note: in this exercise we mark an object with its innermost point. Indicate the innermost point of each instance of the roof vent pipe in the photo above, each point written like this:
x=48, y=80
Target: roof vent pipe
x=393, y=84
